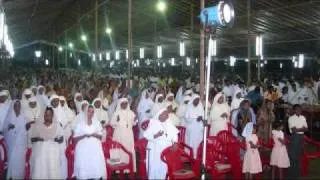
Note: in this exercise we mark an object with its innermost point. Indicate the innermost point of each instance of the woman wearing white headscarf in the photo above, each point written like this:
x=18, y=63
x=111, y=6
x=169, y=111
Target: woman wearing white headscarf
x=236, y=99
x=160, y=134
x=26, y=95
x=194, y=125
x=171, y=101
x=99, y=112
x=89, y=162
x=4, y=108
x=174, y=119
x=83, y=108
x=78, y=98
x=32, y=112
x=182, y=109
x=16, y=139
x=46, y=138
x=123, y=121
x=42, y=98
x=219, y=114
x=179, y=95
x=159, y=104
x=144, y=109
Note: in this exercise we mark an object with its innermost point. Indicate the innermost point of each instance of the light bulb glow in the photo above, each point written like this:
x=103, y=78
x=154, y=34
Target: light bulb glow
x=79, y=62
x=93, y=57
x=188, y=61
x=117, y=55
x=259, y=45
x=172, y=61
x=161, y=6
x=83, y=37
x=213, y=44
x=141, y=53
x=232, y=61
x=159, y=52
x=70, y=45
x=100, y=57
x=108, y=30
x=47, y=62
x=301, y=61
x=182, y=49
x=60, y=48
x=38, y=53
x=108, y=56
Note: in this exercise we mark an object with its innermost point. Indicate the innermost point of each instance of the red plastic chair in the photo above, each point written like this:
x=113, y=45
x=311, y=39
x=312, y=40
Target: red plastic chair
x=309, y=155
x=176, y=170
x=110, y=131
x=70, y=150
x=121, y=167
x=145, y=124
x=141, y=149
x=182, y=134
x=3, y=160
x=27, y=175
x=216, y=163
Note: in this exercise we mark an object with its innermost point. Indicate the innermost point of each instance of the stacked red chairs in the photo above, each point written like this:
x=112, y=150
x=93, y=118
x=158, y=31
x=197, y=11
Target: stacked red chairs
x=70, y=151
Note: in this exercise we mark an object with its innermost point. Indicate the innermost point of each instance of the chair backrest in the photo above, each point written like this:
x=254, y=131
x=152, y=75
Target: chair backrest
x=214, y=150
x=109, y=144
x=145, y=124
x=229, y=141
x=171, y=156
x=70, y=150
x=140, y=147
x=4, y=150
x=27, y=164
x=182, y=134
x=110, y=131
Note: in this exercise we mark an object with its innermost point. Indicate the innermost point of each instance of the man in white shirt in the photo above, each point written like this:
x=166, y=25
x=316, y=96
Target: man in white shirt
x=297, y=126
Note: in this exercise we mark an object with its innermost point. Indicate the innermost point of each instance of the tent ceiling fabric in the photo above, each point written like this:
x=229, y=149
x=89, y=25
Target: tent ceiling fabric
x=288, y=26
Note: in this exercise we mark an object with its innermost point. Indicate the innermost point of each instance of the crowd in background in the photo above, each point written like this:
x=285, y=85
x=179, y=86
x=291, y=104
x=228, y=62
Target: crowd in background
x=42, y=109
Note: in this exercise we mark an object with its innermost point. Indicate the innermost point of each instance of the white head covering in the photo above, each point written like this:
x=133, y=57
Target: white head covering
x=193, y=112
x=78, y=103
x=188, y=92
x=235, y=104
x=52, y=97
x=247, y=131
x=157, y=97
x=144, y=105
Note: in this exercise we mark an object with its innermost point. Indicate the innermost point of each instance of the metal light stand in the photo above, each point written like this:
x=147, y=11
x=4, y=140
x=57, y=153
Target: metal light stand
x=209, y=30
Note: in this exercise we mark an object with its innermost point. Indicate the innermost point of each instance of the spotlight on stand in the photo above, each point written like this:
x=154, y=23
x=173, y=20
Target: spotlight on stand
x=219, y=15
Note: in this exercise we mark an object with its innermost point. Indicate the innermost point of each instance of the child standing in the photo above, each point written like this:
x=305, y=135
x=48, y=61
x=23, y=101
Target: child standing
x=251, y=162
x=279, y=155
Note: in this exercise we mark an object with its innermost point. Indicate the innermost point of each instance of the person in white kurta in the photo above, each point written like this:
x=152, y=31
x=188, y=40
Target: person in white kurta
x=5, y=104
x=99, y=112
x=182, y=110
x=194, y=123
x=78, y=98
x=171, y=101
x=83, y=109
x=144, y=109
x=26, y=95
x=46, y=139
x=219, y=115
x=236, y=99
x=174, y=119
x=123, y=121
x=89, y=162
x=42, y=99
x=32, y=112
x=161, y=133
x=158, y=104
x=16, y=139
x=70, y=115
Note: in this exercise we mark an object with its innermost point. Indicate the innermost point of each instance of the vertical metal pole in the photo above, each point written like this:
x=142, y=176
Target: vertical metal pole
x=129, y=38
x=202, y=55
x=249, y=41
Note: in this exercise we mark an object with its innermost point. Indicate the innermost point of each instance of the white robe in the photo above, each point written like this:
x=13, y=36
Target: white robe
x=89, y=159
x=157, y=169
x=217, y=122
x=16, y=139
x=4, y=111
x=46, y=155
x=123, y=133
x=145, y=104
x=194, y=129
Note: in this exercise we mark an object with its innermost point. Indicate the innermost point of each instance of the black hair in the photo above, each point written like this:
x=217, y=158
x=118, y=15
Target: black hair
x=296, y=106
x=49, y=109
x=277, y=124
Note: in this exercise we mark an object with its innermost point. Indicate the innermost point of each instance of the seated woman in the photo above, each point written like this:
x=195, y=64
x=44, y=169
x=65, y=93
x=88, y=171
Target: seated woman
x=46, y=139
x=89, y=159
